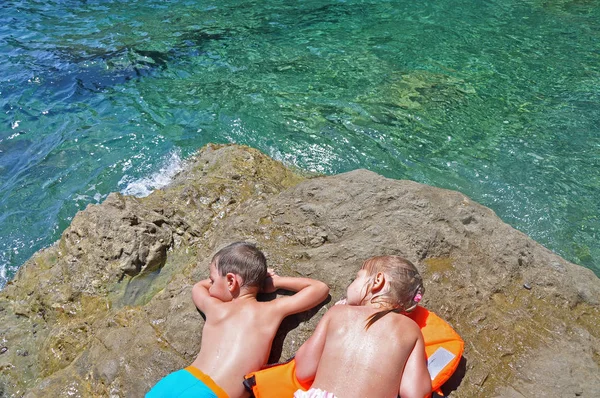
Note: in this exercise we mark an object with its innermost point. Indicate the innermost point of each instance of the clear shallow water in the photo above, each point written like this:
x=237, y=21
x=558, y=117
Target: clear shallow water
x=497, y=99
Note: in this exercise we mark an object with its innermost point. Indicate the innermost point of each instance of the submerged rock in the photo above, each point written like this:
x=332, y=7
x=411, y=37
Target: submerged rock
x=107, y=310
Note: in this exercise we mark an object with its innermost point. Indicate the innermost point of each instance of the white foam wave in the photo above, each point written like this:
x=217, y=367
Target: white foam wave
x=141, y=187
x=3, y=277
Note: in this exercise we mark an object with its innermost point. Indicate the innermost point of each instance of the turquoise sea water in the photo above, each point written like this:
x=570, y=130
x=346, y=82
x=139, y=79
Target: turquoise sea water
x=497, y=99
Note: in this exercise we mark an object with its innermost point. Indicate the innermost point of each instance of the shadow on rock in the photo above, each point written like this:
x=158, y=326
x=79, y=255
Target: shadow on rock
x=289, y=323
x=455, y=380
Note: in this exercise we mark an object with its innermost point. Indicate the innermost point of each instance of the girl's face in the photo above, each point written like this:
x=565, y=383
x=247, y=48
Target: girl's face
x=357, y=291
x=218, y=286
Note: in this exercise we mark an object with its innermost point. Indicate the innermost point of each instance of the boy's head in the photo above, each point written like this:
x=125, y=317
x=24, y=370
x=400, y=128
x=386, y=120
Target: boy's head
x=242, y=259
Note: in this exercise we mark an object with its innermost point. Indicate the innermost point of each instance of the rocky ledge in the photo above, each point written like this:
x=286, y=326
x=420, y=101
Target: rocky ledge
x=107, y=311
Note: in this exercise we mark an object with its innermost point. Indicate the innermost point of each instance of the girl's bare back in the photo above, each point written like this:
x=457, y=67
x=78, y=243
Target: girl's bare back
x=366, y=363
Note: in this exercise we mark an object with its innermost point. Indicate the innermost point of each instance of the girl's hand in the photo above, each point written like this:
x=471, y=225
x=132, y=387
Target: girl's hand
x=269, y=283
x=341, y=302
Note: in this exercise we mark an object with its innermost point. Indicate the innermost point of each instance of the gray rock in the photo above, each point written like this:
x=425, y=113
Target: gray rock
x=107, y=310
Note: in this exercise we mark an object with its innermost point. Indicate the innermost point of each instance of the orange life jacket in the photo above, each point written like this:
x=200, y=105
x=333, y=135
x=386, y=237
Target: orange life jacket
x=443, y=347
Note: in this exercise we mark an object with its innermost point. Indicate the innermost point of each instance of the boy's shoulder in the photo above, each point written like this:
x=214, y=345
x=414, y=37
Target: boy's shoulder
x=231, y=310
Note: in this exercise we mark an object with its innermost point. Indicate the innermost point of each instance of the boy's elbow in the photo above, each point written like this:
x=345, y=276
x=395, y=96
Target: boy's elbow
x=199, y=290
x=323, y=290
x=196, y=289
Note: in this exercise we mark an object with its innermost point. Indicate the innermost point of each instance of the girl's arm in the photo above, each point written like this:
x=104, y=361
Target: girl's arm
x=309, y=354
x=416, y=382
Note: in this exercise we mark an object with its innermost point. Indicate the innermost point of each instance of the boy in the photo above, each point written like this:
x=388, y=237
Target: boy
x=239, y=330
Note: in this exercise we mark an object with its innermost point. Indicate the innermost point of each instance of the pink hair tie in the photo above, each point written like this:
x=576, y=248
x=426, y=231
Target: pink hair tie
x=417, y=298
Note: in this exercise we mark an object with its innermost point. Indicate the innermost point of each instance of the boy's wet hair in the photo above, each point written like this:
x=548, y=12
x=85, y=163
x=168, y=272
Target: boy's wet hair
x=405, y=287
x=243, y=259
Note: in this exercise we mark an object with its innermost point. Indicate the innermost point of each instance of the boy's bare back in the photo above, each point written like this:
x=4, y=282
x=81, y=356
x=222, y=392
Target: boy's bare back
x=355, y=362
x=236, y=340
x=239, y=330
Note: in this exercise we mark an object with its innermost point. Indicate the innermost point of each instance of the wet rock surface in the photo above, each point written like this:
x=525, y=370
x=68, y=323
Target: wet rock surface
x=107, y=310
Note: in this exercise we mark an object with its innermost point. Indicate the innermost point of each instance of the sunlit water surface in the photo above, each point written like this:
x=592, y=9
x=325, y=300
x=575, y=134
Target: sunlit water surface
x=497, y=99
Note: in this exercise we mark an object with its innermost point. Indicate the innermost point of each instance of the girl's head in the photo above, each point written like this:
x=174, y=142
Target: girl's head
x=391, y=282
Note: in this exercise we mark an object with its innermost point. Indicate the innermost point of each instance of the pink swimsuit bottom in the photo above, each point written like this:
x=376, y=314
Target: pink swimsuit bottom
x=313, y=393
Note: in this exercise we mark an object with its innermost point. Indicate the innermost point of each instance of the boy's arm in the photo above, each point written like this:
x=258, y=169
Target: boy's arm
x=202, y=299
x=309, y=293
x=416, y=382
x=309, y=354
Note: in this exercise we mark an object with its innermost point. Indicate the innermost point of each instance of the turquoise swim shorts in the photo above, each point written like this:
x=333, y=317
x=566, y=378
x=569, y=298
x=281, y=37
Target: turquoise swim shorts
x=186, y=383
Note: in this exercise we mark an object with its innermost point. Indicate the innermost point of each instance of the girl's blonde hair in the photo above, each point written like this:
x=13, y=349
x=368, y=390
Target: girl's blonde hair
x=404, y=287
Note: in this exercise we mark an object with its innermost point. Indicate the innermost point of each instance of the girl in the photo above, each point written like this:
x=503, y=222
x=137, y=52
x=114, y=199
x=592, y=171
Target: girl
x=368, y=348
